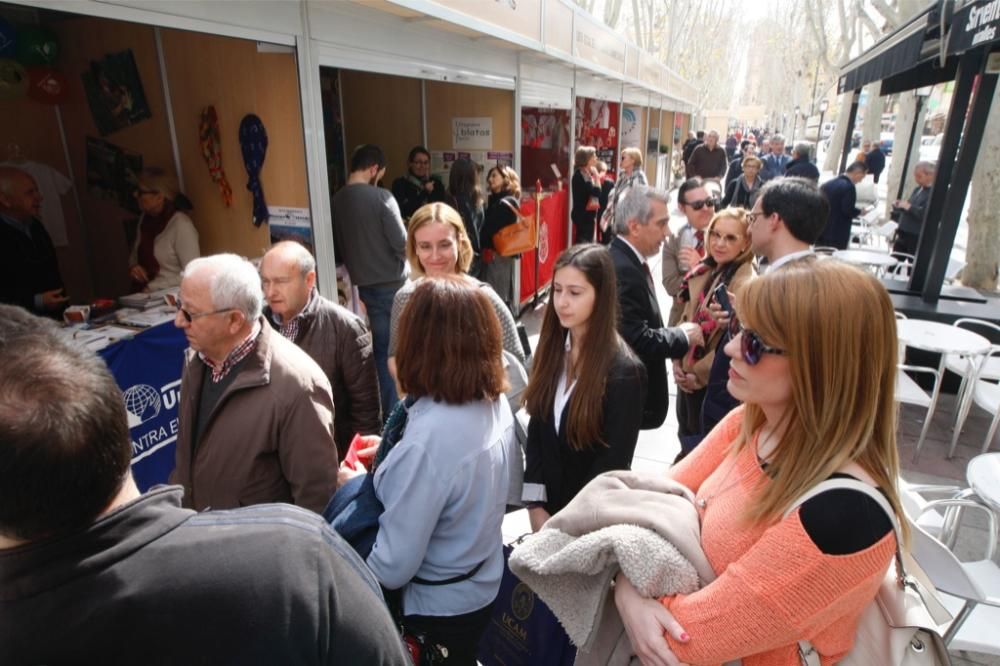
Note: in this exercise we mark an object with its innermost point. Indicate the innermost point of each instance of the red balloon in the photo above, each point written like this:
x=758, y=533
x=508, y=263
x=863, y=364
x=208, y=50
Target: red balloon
x=46, y=85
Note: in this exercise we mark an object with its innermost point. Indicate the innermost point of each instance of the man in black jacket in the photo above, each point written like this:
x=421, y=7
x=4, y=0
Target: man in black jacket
x=912, y=211
x=29, y=272
x=641, y=226
x=875, y=160
x=119, y=577
x=417, y=187
x=842, y=195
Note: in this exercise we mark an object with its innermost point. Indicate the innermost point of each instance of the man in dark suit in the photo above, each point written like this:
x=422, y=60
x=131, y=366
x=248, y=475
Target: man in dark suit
x=29, y=271
x=875, y=160
x=843, y=196
x=912, y=211
x=641, y=226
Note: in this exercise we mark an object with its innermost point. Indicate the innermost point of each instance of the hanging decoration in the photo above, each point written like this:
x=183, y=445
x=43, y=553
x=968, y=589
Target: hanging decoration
x=211, y=150
x=46, y=85
x=13, y=79
x=36, y=46
x=253, y=143
x=8, y=40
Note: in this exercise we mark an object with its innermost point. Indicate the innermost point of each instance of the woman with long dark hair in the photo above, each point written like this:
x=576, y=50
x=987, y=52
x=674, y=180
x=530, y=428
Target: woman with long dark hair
x=587, y=389
x=586, y=186
x=502, y=210
x=467, y=199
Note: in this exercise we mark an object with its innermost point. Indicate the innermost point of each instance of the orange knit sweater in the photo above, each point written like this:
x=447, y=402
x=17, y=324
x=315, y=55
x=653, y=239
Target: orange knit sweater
x=774, y=586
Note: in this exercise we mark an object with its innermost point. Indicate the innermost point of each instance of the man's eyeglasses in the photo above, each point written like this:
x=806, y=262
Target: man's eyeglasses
x=190, y=317
x=752, y=217
x=728, y=239
x=751, y=346
x=420, y=162
x=698, y=205
x=139, y=192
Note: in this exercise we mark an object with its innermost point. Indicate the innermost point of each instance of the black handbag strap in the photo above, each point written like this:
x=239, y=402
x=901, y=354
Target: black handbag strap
x=448, y=581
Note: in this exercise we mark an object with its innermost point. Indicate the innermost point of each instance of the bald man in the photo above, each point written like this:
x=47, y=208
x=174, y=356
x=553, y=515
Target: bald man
x=29, y=272
x=333, y=336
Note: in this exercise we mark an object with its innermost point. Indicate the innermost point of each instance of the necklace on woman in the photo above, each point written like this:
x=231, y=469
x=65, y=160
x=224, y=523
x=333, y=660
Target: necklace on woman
x=702, y=502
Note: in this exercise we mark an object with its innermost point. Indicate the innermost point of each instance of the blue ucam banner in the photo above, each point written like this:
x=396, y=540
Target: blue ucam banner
x=148, y=370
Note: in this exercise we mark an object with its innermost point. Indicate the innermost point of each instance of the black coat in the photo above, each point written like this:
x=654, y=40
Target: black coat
x=28, y=266
x=411, y=196
x=498, y=215
x=875, y=161
x=641, y=326
x=582, y=218
x=739, y=195
x=843, y=196
x=562, y=470
x=802, y=168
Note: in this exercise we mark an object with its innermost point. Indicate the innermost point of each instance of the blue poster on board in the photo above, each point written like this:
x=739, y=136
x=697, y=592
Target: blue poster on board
x=148, y=371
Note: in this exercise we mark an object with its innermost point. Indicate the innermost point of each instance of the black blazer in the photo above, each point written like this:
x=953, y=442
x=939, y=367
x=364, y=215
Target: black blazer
x=28, y=266
x=583, y=190
x=642, y=328
x=843, y=196
x=563, y=471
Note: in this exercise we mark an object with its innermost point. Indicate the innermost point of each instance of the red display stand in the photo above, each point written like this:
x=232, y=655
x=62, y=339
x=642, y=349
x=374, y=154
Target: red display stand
x=552, y=241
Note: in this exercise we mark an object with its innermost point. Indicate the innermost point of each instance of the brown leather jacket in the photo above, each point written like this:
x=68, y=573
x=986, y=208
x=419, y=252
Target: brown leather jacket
x=269, y=438
x=341, y=344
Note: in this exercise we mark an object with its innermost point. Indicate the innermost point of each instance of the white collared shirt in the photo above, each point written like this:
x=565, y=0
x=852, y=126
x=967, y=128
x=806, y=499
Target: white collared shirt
x=781, y=261
x=563, y=392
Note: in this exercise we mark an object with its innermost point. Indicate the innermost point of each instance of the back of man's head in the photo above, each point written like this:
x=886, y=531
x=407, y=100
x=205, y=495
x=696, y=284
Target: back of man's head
x=65, y=449
x=856, y=170
x=367, y=156
x=799, y=203
x=700, y=134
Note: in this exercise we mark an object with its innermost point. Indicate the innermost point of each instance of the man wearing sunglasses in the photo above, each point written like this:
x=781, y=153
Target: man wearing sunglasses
x=683, y=251
x=787, y=218
x=256, y=413
x=641, y=225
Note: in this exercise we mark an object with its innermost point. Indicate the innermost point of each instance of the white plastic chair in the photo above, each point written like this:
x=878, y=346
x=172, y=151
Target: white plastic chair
x=884, y=232
x=970, y=590
x=862, y=227
x=965, y=367
x=986, y=395
x=904, y=267
x=910, y=393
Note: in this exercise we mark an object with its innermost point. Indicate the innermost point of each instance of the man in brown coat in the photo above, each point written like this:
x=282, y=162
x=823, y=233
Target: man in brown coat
x=333, y=336
x=256, y=413
x=708, y=160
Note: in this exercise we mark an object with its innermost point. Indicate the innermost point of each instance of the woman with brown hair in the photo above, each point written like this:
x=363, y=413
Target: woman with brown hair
x=586, y=186
x=502, y=209
x=166, y=239
x=814, y=363
x=467, y=199
x=728, y=264
x=587, y=389
x=444, y=482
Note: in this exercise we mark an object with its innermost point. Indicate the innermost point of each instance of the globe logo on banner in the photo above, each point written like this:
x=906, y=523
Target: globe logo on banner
x=142, y=403
x=543, y=242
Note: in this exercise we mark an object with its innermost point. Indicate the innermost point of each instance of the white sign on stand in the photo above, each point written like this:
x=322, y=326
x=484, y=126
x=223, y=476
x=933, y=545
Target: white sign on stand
x=472, y=133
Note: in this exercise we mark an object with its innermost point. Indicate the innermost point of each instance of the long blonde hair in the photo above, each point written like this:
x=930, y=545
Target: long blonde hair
x=837, y=327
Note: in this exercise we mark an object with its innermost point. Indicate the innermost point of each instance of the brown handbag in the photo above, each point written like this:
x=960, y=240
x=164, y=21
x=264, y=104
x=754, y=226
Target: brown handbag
x=517, y=238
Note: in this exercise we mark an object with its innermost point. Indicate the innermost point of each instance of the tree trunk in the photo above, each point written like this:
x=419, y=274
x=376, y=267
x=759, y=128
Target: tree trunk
x=897, y=170
x=872, y=127
x=832, y=160
x=983, y=248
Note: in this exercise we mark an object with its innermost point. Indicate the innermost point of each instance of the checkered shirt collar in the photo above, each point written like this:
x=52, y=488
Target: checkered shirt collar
x=242, y=350
x=290, y=329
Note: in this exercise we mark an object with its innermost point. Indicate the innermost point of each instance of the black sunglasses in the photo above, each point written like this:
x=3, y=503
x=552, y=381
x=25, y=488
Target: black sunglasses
x=190, y=317
x=698, y=205
x=751, y=346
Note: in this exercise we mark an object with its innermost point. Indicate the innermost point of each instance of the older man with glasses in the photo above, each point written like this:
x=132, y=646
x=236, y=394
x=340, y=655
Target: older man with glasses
x=256, y=412
x=683, y=250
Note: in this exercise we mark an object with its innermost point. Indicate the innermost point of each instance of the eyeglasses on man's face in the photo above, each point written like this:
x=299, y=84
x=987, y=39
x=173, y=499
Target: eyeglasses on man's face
x=701, y=203
x=191, y=316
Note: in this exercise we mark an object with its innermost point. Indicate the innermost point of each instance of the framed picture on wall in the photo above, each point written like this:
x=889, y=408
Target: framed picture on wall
x=114, y=92
x=112, y=172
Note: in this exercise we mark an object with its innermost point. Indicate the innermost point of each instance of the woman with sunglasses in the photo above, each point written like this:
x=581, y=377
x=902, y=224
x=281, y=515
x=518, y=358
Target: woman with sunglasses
x=166, y=239
x=728, y=265
x=587, y=388
x=815, y=365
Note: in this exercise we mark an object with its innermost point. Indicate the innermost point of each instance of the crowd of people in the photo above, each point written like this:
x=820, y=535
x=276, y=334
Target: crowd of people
x=283, y=388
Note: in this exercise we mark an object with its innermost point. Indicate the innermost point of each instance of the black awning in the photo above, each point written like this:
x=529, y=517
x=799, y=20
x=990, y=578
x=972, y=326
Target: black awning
x=893, y=54
x=928, y=73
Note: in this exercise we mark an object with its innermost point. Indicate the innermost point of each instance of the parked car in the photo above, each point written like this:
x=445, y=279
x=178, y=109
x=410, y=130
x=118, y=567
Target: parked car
x=886, y=140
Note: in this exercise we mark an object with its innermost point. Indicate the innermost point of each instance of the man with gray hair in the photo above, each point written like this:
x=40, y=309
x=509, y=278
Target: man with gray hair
x=911, y=212
x=256, y=413
x=801, y=165
x=776, y=161
x=337, y=339
x=641, y=224
x=708, y=160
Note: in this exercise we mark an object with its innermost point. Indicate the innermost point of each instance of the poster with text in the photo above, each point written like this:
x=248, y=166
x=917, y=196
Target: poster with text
x=292, y=224
x=632, y=127
x=597, y=126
